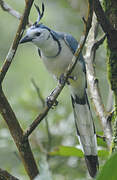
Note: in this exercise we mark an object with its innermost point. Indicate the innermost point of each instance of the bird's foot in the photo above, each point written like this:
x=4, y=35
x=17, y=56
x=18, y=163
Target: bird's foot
x=62, y=79
x=74, y=78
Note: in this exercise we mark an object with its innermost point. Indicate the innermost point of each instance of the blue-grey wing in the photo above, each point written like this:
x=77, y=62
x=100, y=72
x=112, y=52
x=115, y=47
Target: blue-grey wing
x=70, y=41
x=73, y=44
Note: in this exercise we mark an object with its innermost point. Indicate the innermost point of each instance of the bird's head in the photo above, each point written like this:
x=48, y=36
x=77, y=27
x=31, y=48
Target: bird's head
x=37, y=33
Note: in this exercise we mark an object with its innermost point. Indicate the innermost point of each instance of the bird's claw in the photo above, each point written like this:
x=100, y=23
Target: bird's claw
x=62, y=80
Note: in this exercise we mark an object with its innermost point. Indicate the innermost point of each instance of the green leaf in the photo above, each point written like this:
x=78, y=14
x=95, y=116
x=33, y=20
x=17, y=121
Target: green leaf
x=72, y=151
x=109, y=170
x=67, y=151
x=103, y=153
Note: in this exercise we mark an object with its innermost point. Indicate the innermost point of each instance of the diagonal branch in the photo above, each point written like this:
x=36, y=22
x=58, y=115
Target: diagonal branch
x=55, y=93
x=9, y=9
x=14, y=46
x=107, y=27
x=6, y=7
x=102, y=19
x=6, y=110
x=93, y=84
x=17, y=134
x=5, y=175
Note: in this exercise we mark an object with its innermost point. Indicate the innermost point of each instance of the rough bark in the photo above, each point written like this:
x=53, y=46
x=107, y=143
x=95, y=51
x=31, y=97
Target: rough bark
x=93, y=86
x=17, y=134
x=110, y=8
x=5, y=108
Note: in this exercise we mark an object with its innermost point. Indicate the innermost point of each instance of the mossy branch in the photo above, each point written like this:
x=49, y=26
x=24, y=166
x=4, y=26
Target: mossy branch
x=108, y=22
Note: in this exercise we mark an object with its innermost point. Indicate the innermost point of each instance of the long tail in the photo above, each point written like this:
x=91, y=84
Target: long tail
x=86, y=131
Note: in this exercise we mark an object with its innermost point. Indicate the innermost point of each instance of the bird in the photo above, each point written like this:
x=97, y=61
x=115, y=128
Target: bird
x=56, y=49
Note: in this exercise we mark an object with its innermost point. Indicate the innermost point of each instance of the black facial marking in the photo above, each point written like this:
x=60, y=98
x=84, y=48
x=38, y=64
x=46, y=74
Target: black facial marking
x=38, y=34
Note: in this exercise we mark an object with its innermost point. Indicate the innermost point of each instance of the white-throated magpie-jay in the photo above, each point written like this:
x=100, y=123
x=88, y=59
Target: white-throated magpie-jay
x=57, y=49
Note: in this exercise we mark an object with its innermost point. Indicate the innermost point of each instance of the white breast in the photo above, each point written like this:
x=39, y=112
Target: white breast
x=57, y=65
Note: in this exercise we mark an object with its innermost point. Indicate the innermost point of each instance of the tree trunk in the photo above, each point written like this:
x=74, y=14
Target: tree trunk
x=110, y=7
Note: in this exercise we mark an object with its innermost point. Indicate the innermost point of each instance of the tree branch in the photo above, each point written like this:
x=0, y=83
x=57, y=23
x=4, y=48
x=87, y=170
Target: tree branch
x=107, y=27
x=17, y=134
x=93, y=84
x=102, y=19
x=14, y=46
x=6, y=7
x=5, y=108
x=10, y=10
x=43, y=105
x=38, y=92
x=55, y=93
x=5, y=175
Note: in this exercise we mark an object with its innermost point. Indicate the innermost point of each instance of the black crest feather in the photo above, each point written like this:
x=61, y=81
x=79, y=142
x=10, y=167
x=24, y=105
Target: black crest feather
x=40, y=14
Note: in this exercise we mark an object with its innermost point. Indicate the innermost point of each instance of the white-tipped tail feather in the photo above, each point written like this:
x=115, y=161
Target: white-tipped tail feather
x=86, y=132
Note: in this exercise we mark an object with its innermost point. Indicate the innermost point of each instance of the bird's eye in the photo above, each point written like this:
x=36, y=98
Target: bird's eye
x=38, y=34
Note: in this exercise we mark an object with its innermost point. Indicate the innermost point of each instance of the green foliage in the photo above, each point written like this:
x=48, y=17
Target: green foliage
x=106, y=4
x=100, y=141
x=103, y=153
x=109, y=170
x=67, y=151
x=72, y=151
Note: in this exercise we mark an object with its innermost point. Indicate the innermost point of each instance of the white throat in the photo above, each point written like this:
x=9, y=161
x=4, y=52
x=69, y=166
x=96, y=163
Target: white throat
x=49, y=47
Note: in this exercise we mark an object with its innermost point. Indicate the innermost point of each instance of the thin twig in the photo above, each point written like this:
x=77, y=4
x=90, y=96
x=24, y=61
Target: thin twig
x=43, y=105
x=93, y=84
x=6, y=7
x=55, y=93
x=38, y=92
x=97, y=44
x=101, y=137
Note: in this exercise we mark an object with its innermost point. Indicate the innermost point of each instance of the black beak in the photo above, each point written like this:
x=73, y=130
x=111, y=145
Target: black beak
x=25, y=39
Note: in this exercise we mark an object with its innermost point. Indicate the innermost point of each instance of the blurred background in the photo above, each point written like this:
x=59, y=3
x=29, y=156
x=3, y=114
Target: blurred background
x=58, y=128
